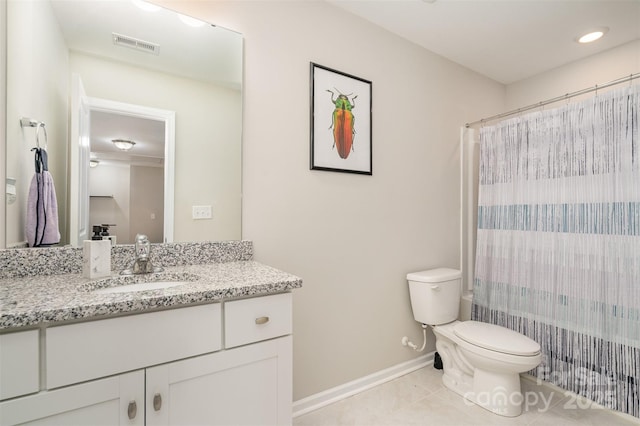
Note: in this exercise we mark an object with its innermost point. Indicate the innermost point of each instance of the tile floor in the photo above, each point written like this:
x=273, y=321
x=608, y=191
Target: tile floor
x=420, y=398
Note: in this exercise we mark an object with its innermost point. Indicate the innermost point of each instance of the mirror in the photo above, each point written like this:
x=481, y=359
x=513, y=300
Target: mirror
x=125, y=54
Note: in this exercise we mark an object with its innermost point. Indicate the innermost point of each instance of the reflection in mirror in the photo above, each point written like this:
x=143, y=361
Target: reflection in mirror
x=125, y=54
x=126, y=181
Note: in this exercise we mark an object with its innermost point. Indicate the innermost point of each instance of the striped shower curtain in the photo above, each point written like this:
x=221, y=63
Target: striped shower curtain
x=558, y=241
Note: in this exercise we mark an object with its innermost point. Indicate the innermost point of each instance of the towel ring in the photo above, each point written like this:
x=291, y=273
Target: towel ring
x=38, y=126
x=28, y=122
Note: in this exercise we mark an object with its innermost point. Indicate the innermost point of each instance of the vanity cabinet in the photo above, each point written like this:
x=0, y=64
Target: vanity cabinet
x=168, y=367
x=108, y=402
x=250, y=385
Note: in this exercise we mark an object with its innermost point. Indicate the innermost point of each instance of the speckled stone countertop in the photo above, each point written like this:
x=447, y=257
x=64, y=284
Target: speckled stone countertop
x=35, y=300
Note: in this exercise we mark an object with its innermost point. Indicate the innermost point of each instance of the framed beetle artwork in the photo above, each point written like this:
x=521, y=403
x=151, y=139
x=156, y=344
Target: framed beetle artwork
x=340, y=122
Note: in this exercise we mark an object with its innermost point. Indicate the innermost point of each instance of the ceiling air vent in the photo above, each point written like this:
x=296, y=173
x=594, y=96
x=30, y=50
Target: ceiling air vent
x=137, y=44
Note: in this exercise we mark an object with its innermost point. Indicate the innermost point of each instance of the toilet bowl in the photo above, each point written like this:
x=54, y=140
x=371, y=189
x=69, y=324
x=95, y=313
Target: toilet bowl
x=482, y=362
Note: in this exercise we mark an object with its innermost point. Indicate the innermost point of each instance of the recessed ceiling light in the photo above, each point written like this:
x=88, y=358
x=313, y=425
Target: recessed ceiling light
x=593, y=35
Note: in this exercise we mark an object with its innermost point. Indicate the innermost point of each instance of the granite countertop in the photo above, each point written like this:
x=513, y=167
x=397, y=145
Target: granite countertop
x=36, y=300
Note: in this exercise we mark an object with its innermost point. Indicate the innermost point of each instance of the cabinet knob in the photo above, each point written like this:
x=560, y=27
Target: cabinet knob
x=157, y=402
x=262, y=320
x=132, y=410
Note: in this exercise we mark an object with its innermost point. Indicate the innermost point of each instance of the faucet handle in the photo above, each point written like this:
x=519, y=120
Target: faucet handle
x=143, y=247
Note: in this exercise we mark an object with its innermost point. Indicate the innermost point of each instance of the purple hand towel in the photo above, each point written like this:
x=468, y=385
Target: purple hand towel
x=42, y=206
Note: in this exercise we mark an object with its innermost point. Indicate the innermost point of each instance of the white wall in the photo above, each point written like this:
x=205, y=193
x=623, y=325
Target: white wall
x=351, y=238
x=207, y=159
x=37, y=77
x=597, y=69
x=147, y=203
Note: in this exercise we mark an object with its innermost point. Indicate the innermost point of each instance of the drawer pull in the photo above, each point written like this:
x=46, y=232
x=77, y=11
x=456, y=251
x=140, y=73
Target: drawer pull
x=262, y=320
x=132, y=410
x=157, y=402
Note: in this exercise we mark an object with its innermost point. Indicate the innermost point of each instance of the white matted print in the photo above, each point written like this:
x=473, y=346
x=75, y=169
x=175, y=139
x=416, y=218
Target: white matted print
x=340, y=121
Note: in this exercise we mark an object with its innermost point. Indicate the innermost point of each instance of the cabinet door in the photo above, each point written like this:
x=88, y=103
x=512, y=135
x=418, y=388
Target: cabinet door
x=19, y=364
x=250, y=385
x=117, y=400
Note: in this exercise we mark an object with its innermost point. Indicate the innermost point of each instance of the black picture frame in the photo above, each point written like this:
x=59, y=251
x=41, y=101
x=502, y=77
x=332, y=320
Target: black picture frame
x=341, y=121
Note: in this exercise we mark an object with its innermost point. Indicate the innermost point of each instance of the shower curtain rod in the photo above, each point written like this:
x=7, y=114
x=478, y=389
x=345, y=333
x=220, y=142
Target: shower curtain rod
x=556, y=99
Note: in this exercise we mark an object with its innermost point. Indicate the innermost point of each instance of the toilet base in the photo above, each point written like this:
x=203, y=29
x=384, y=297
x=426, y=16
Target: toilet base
x=460, y=383
x=498, y=392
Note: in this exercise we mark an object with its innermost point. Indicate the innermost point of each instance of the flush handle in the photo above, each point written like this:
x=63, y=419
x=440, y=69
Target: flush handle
x=262, y=320
x=435, y=287
x=132, y=410
x=157, y=402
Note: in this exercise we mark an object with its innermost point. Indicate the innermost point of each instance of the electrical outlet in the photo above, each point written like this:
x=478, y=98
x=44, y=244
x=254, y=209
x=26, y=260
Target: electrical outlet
x=201, y=212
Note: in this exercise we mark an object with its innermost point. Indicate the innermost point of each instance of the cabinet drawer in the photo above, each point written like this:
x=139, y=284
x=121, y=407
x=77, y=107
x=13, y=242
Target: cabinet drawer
x=19, y=364
x=85, y=351
x=259, y=318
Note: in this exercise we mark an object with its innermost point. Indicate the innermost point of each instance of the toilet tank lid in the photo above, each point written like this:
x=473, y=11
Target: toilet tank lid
x=435, y=275
x=496, y=338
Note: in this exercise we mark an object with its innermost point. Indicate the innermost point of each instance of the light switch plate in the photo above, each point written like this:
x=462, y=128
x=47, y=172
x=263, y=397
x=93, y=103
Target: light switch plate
x=201, y=212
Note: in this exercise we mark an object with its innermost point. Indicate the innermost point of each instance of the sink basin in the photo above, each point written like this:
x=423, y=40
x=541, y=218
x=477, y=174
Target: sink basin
x=153, y=285
x=142, y=282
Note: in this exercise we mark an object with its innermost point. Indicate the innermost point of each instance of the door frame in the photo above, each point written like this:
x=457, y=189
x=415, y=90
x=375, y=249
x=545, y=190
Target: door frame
x=168, y=118
x=139, y=111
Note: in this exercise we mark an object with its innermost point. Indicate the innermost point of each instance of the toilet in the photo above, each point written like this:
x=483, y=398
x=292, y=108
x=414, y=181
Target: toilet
x=482, y=362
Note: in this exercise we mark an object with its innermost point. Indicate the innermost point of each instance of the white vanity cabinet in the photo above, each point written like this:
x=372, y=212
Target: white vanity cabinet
x=167, y=367
x=249, y=385
x=117, y=400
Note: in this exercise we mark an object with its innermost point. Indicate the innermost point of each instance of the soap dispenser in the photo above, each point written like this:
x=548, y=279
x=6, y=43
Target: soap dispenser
x=96, y=258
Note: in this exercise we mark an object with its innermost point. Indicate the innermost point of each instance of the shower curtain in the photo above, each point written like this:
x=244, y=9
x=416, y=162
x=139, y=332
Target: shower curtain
x=558, y=241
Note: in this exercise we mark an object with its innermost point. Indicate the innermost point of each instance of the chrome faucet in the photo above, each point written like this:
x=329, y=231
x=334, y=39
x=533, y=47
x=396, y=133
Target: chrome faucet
x=142, y=263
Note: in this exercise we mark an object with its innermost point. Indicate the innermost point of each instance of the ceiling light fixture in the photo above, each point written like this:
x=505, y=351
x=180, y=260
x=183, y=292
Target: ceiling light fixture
x=593, y=35
x=123, y=144
x=93, y=163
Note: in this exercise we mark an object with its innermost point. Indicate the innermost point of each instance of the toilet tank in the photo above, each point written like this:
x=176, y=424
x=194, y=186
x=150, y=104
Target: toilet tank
x=435, y=295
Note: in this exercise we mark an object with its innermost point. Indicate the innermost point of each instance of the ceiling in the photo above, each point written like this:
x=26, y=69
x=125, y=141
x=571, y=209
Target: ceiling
x=206, y=53
x=147, y=134
x=505, y=40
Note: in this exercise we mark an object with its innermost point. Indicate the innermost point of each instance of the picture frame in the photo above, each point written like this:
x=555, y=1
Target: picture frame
x=341, y=121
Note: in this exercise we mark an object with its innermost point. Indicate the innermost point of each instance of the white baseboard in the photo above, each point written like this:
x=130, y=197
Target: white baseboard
x=329, y=396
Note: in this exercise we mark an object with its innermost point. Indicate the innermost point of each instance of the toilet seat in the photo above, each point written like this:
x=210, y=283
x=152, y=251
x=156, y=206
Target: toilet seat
x=496, y=338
